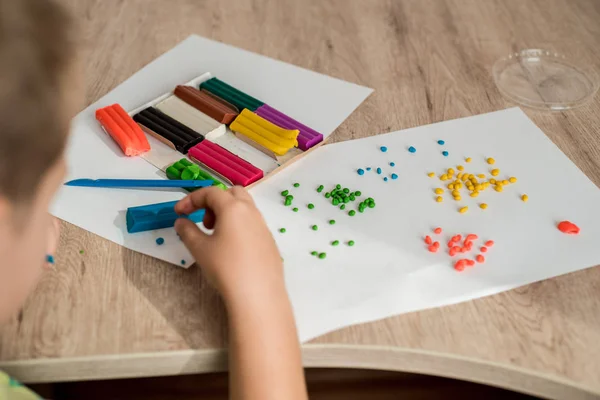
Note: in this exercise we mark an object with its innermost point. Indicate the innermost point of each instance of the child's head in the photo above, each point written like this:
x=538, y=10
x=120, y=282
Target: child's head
x=38, y=96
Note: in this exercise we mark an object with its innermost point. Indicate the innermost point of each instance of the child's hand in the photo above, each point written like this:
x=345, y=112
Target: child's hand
x=240, y=258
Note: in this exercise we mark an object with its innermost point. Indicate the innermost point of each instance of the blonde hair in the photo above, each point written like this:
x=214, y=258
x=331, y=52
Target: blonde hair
x=35, y=51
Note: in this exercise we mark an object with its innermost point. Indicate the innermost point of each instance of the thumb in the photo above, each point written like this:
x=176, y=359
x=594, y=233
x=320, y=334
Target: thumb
x=194, y=239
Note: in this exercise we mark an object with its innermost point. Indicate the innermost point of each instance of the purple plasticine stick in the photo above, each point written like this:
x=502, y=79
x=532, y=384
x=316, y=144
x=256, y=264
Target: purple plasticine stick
x=307, y=138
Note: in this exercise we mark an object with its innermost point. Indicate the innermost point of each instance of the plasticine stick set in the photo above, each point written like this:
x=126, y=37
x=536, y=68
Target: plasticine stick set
x=207, y=130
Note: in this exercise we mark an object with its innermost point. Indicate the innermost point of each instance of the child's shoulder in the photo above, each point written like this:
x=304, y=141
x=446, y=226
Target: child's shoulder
x=11, y=389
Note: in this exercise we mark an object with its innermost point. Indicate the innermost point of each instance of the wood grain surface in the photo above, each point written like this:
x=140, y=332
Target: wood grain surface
x=111, y=312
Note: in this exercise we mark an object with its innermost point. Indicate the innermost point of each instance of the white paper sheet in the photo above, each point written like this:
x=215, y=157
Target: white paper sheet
x=389, y=270
x=319, y=101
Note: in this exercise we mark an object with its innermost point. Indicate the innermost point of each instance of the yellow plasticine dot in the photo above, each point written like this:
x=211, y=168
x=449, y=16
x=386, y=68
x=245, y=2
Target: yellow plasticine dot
x=464, y=177
x=431, y=174
x=455, y=193
x=479, y=187
x=460, y=175
x=450, y=186
x=450, y=171
x=460, y=167
x=483, y=206
x=444, y=177
x=486, y=185
x=439, y=199
x=495, y=172
x=471, y=176
x=524, y=197
x=498, y=188
x=474, y=194
x=512, y=179
x=481, y=176
x=463, y=210
x=468, y=159
x=505, y=182
x=439, y=191
x=457, y=198
x=490, y=161
x=492, y=181
x=457, y=185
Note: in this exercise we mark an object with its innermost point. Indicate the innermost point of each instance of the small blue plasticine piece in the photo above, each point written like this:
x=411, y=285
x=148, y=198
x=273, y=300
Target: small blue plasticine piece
x=394, y=176
x=412, y=149
x=360, y=171
x=392, y=164
x=445, y=153
x=50, y=259
x=441, y=142
x=368, y=168
x=156, y=216
x=160, y=241
x=383, y=149
x=385, y=179
x=379, y=170
x=182, y=262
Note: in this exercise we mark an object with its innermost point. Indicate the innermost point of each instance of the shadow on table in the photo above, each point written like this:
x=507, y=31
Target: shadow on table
x=191, y=307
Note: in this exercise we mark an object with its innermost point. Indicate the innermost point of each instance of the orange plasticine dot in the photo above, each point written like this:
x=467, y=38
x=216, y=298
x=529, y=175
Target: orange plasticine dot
x=428, y=240
x=436, y=245
x=432, y=249
x=471, y=236
x=437, y=231
x=452, y=252
x=483, y=249
x=489, y=243
x=459, y=265
x=450, y=243
x=470, y=263
x=480, y=258
x=456, y=249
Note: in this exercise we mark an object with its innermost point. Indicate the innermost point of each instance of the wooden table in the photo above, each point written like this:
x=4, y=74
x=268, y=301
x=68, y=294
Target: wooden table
x=114, y=313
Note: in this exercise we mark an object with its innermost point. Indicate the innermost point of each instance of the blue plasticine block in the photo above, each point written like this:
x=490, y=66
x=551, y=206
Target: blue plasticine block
x=156, y=216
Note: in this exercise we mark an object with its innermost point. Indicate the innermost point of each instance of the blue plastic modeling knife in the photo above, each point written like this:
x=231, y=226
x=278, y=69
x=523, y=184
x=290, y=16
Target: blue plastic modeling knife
x=139, y=183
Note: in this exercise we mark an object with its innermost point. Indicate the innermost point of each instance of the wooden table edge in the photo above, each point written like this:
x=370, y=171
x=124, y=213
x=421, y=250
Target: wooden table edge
x=182, y=362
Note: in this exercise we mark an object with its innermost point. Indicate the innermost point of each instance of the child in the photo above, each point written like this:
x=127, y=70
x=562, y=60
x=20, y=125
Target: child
x=39, y=93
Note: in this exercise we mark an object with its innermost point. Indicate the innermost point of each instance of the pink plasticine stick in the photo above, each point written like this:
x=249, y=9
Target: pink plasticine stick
x=232, y=167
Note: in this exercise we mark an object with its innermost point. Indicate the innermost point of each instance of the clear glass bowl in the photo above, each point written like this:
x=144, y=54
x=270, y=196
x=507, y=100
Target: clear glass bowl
x=544, y=80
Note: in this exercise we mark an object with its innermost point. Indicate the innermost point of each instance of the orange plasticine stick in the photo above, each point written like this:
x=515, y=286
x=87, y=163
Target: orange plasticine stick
x=123, y=129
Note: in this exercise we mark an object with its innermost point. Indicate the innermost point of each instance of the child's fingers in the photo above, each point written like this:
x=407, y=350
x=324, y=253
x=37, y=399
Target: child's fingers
x=193, y=238
x=241, y=193
x=209, y=219
x=211, y=197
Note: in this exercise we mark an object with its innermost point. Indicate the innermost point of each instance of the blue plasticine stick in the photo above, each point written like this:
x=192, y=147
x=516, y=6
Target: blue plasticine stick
x=156, y=216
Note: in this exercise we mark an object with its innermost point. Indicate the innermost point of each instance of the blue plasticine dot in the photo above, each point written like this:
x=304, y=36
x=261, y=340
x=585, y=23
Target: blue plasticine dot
x=368, y=168
x=412, y=149
x=385, y=179
x=394, y=176
x=392, y=164
x=182, y=262
x=379, y=170
x=441, y=142
x=361, y=171
x=383, y=149
x=160, y=241
x=445, y=153
x=50, y=259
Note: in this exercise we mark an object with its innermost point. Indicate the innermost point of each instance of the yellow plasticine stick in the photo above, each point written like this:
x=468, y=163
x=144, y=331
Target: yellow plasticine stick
x=266, y=129
x=249, y=133
x=268, y=125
